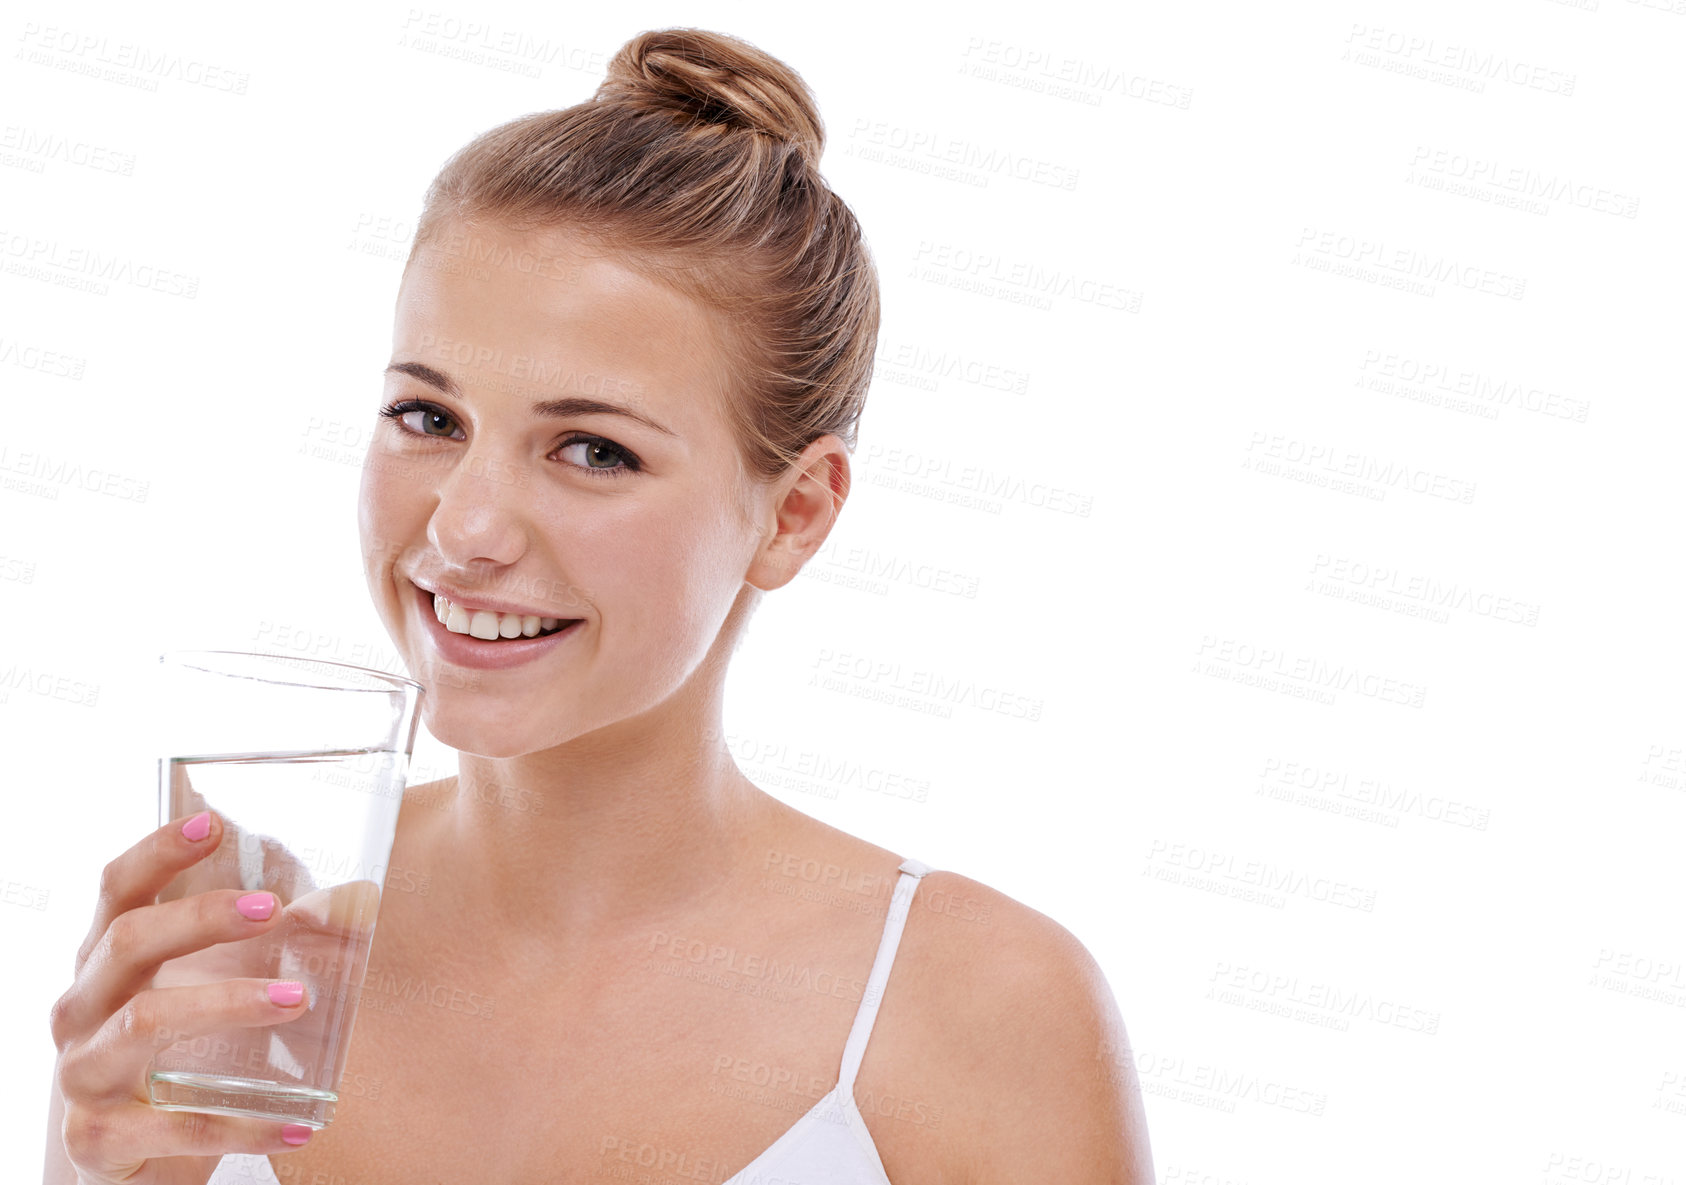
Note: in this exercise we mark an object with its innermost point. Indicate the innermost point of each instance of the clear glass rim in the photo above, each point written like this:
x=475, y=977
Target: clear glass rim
x=258, y=667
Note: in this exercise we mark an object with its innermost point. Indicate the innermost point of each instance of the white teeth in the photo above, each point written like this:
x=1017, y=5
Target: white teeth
x=484, y=624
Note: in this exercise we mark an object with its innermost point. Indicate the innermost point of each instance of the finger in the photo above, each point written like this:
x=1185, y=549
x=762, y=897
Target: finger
x=138, y=942
x=116, y=1143
x=137, y=876
x=112, y=1063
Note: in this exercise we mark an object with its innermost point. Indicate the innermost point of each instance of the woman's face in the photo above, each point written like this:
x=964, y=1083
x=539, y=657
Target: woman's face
x=622, y=507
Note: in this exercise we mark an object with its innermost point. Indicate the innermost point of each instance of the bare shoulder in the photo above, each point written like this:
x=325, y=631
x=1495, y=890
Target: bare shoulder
x=1007, y=947
x=1021, y=1032
x=998, y=1053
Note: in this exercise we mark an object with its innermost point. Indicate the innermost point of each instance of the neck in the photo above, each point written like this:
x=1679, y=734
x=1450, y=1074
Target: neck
x=612, y=829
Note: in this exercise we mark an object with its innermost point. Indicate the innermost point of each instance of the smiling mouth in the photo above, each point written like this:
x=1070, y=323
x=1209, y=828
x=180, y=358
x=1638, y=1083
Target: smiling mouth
x=494, y=627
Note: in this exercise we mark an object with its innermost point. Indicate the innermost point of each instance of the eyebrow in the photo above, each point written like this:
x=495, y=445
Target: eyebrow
x=573, y=405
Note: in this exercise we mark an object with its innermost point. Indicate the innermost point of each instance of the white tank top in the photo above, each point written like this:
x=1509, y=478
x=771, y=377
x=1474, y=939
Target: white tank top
x=828, y=1146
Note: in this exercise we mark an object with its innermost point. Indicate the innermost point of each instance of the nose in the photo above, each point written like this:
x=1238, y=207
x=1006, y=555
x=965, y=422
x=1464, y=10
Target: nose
x=481, y=514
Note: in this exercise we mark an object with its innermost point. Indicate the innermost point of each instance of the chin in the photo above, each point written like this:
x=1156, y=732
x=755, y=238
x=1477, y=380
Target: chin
x=481, y=738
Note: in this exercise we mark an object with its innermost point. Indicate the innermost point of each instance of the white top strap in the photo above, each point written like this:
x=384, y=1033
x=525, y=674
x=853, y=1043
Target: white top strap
x=900, y=902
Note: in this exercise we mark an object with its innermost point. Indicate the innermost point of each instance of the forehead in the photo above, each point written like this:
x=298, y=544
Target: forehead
x=545, y=312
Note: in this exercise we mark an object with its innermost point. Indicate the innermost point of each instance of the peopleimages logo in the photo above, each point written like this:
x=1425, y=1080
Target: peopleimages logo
x=1260, y=874
x=86, y=268
x=1331, y=246
x=1064, y=76
x=62, y=472
x=84, y=53
x=1236, y=655
x=1386, y=581
x=927, y=688
x=1277, y=453
x=1413, y=378
x=50, y=685
x=1367, y=799
x=50, y=146
x=915, y=364
x=1219, y=1087
x=1525, y=183
x=939, y=147
x=936, y=471
x=1020, y=280
x=1429, y=57
x=48, y=362
x=1314, y=1001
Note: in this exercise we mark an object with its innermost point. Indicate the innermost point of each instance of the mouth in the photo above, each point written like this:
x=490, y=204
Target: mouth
x=489, y=640
x=488, y=625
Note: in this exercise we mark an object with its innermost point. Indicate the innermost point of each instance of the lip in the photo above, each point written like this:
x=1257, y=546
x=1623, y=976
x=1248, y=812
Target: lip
x=465, y=651
x=490, y=606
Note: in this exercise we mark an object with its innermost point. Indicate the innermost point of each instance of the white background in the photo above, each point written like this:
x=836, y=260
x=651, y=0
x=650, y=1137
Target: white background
x=1162, y=304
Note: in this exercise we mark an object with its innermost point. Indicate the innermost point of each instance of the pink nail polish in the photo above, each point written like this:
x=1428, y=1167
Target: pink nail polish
x=295, y=1133
x=198, y=827
x=289, y=991
x=256, y=906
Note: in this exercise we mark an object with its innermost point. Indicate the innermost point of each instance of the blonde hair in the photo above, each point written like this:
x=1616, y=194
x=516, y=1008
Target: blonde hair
x=699, y=157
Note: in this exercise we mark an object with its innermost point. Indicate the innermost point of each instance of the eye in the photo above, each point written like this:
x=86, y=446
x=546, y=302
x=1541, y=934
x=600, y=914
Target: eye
x=430, y=416
x=594, y=451
x=596, y=455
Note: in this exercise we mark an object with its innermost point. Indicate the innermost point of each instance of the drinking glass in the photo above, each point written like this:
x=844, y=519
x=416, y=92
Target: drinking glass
x=305, y=762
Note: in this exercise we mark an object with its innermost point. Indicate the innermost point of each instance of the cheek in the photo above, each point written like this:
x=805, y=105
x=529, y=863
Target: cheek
x=663, y=577
x=384, y=496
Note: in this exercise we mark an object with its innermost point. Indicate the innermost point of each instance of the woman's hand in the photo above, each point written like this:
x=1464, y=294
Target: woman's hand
x=110, y=1023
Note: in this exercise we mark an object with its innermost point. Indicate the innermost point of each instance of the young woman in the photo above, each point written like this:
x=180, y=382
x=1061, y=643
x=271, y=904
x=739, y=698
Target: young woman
x=632, y=343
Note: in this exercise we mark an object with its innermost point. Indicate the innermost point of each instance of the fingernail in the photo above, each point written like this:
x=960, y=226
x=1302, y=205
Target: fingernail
x=288, y=991
x=198, y=827
x=295, y=1133
x=256, y=906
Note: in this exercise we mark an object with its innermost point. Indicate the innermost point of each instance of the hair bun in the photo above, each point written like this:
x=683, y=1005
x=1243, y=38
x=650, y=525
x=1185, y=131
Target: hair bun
x=717, y=79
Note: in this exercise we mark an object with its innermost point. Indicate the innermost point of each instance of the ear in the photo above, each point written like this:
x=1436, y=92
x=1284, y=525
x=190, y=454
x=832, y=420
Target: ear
x=805, y=503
